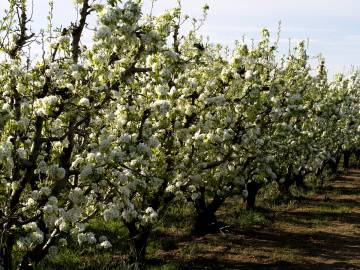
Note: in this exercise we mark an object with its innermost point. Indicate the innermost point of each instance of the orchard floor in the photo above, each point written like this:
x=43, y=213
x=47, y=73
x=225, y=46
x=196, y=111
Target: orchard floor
x=320, y=231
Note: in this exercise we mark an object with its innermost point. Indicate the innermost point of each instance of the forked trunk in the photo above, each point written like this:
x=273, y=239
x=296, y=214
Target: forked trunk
x=205, y=220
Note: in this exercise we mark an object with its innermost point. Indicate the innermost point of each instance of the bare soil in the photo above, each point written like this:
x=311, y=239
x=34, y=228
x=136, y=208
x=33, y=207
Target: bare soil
x=321, y=231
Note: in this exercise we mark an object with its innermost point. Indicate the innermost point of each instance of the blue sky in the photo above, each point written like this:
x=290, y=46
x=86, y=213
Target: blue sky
x=332, y=26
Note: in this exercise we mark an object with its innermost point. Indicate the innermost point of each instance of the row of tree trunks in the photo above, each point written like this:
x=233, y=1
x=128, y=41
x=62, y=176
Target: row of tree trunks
x=205, y=220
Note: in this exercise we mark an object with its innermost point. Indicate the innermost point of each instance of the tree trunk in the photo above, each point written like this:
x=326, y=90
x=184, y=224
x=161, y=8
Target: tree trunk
x=347, y=159
x=6, y=260
x=357, y=154
x=37, y=254
x=205, y=220
x=284, y=188
x=319, y=177
x=333, y=166
x=253, y=189
x=299, y=181
x=138, y=243
x=25, y=264
x=33, y=257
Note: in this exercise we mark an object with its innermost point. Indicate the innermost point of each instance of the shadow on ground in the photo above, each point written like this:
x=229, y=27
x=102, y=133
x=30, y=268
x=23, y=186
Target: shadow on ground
x=322, y=233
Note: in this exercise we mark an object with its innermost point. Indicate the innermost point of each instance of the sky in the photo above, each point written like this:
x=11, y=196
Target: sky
x=332, y=27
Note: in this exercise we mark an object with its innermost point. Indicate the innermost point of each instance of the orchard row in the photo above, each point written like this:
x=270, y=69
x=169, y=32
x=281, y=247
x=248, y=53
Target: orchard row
x=146, y=116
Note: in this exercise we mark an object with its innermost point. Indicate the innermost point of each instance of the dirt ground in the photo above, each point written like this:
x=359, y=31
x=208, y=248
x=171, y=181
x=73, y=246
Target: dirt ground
x=322, y=231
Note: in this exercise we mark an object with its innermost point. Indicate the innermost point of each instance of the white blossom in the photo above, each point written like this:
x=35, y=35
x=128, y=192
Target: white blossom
x=111, y=213
x=44, y=106
x=162, y=105
x=86, y=171
x=195, y=196
x=248, y=75
x=103, y=32
x=170, y=188
x=76, y=195
x=86, y=238
x=105, y=245
x=55, y=172
x=85, y=102
x=45, y=191
x=104, y=242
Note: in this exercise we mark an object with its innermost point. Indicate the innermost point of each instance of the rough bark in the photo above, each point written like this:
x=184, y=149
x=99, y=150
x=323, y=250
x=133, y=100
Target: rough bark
x=253, y=189
x=205, y=220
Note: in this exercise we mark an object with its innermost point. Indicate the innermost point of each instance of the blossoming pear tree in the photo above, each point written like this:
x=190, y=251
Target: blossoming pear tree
x=102, y=129
x=56, y=147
